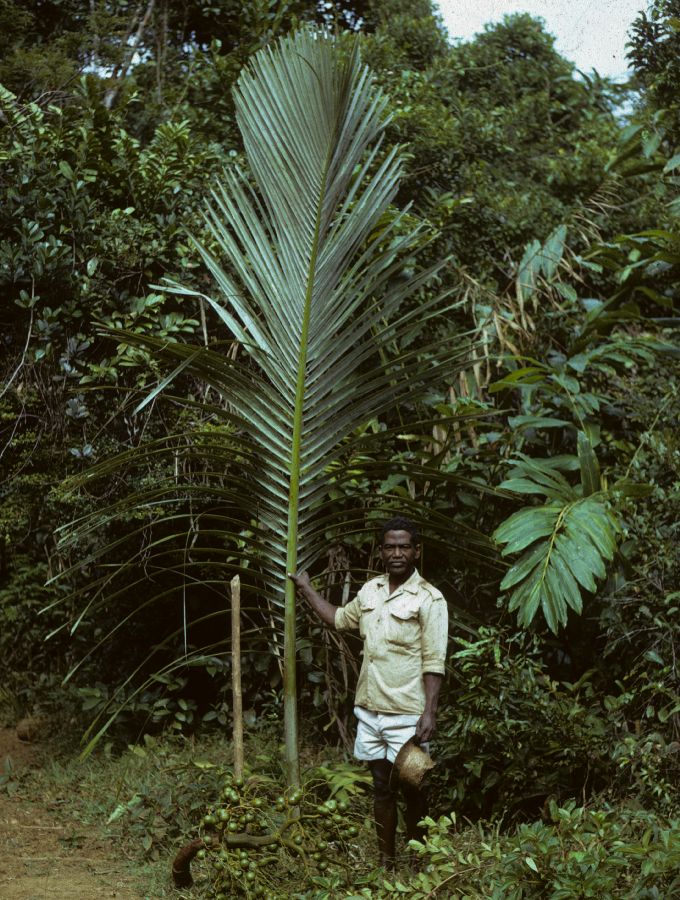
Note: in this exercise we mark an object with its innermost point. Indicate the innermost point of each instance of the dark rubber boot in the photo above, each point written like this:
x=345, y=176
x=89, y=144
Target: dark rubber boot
x=384, y=811
x=416, y=809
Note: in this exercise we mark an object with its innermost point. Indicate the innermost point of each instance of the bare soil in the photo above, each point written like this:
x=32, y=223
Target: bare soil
x=47, y=855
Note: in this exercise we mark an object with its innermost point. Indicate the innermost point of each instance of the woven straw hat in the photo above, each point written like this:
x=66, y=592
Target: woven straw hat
x=411, y=765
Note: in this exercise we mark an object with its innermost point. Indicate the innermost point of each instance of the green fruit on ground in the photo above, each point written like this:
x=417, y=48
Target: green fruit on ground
x=343, y=806
x=337, y=818
x=233, y=827
x=332, y=805
x=316, y=857
x=323, y=865
x=258, y=802
x=200, y=854
x=297, y=839
x=250, y=876
x=209, y=820
x=223, y=814
x=239, y=782
x=322, y=845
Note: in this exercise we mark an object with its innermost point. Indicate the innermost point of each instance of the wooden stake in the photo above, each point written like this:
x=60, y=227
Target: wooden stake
x=237, y=703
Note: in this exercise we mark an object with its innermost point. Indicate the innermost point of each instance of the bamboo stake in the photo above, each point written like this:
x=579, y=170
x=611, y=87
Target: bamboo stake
x=237, y=702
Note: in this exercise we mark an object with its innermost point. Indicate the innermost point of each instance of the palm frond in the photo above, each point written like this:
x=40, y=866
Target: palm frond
x=304, y=250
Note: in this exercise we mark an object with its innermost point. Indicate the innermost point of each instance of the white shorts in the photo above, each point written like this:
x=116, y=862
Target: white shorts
x=382, y=735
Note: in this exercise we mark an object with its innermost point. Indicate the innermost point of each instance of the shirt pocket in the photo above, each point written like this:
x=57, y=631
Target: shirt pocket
x=367, y=605
x=403, y=624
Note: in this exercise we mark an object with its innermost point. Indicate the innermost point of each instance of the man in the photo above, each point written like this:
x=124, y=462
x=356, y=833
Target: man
x=403, y=621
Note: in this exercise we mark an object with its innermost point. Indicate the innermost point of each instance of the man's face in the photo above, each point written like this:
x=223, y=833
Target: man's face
x=399, y=554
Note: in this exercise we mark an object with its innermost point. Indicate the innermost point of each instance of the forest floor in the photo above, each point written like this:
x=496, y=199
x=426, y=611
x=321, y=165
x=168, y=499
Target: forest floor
x=47, y=852
x=111, y=825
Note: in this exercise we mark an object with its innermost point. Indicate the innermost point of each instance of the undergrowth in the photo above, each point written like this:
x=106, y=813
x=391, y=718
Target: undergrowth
x=158, y=795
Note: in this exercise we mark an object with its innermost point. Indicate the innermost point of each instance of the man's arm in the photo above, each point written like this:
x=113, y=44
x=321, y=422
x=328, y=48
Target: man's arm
x=427, y=723
x=324, y=610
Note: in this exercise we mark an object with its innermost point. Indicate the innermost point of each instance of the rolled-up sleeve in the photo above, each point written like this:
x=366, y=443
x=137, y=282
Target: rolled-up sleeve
x=347, y=617
x=434, y=623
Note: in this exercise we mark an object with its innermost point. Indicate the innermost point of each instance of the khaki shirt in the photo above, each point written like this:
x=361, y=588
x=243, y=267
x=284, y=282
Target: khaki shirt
x=405, y=635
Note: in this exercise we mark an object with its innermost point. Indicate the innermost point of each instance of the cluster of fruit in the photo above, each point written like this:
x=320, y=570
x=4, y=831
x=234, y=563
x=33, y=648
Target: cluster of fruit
x=335, y=819
x=237, y=814
x=242, y=833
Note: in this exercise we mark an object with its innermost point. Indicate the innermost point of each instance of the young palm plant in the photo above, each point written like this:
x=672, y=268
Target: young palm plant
x=307, y=255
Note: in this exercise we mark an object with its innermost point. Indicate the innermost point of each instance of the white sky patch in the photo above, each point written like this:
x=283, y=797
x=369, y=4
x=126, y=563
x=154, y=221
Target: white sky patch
x=590, y=33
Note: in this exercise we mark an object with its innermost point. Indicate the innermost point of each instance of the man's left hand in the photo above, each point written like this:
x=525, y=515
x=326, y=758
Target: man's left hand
x=425, y=727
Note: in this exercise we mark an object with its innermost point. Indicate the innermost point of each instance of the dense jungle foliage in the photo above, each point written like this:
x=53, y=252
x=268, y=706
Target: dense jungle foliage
x=538, y=225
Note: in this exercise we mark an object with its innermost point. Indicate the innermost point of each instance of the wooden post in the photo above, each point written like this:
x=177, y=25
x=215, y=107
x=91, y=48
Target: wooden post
x=237, y=702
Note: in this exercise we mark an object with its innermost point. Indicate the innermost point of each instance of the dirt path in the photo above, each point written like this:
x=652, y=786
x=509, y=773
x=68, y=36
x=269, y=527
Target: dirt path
x=44, y=854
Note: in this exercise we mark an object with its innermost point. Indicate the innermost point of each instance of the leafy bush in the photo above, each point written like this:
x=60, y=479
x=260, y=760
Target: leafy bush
x=510, y=736
x=576, y=852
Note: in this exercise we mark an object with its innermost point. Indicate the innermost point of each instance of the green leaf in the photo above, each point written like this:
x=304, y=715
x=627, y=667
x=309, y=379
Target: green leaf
x=524, y=421
x=552, y=252
x=568, y=547
x=572, y=555
x=596, y=524
x=634, y=489
x=66, y=170
x=525, y=527
x=528, y=271
x=590, y=468
x=672, y=164
x=539, y=476
x=520, y=570
x=568, y=585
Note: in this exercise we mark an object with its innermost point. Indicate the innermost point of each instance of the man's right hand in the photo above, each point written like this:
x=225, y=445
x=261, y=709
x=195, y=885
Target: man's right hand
x=303, y=588
x=301, y=581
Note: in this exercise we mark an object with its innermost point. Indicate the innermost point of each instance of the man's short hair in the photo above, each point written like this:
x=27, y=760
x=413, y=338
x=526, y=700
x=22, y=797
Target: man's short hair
x=399, y=523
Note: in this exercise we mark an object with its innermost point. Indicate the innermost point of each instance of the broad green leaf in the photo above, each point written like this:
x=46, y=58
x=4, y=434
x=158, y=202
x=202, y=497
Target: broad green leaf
x=596, y=523
x=544, y=475
x=568, y=584
x=521, y=569
x=552, y=252
x=525, y=527
x=529, y=269
x=561, y=561
x=572, y=556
